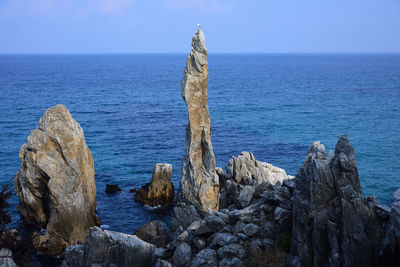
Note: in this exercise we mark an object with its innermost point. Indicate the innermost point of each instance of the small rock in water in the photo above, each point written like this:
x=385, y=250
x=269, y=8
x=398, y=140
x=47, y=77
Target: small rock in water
x=112, y=188
x=160, y=191
x=134, y=190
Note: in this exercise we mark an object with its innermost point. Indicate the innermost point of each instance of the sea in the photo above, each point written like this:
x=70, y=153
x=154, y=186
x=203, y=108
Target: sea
x=273, y=105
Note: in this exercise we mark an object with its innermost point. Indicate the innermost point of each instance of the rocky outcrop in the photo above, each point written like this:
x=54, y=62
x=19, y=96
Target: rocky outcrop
x=160, y=191
x=244, y=176
x=391, y=242
x=199, y=184
x=108, y=248
x=55, y=184
x=333, y=224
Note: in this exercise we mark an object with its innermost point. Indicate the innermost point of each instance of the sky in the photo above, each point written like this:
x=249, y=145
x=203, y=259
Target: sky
x=230, y=26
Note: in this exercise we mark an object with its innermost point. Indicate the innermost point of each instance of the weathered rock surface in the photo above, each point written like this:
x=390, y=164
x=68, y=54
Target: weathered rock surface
x=160, y=191
x=333, y=224
x=55, y=184
x=112, y=188
x=246, y=170
x=154, y=232
x=6, y=259
x=108, y=248
x=391, y=241
x=200, y=183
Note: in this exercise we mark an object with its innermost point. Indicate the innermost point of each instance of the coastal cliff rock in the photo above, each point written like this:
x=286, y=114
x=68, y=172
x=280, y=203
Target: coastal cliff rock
x=200, y=183
x=108, y=248
x=391, y=241
x=160, y=191
x=55, y=183
x=333, y=224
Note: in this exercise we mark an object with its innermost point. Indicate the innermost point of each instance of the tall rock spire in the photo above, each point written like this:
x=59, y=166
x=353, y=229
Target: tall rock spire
x=200, y=183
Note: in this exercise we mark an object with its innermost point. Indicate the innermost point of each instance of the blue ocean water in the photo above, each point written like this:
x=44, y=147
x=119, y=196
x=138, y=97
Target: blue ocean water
x=275, y=106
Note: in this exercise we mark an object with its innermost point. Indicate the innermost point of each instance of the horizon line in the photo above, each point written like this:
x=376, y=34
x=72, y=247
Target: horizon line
x=179, y=53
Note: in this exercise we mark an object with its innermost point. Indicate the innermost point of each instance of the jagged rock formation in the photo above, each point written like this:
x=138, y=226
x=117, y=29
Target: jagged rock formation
x=199, y=184
x=55, y=184
x=160, y=191
x=391, y=241
x=244, y=175
x=333, y=224
x=108, y=248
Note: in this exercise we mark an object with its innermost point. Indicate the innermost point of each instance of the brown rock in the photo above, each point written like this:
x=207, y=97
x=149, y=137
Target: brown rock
x=160, y=191
x=55, y=184
x=200, y=183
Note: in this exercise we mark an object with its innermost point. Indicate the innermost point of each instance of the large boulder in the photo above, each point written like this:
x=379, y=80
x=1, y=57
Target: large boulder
x=200, y=183
x=108, y=248
x=55, y=183
x=160, y=191
x=333, y=224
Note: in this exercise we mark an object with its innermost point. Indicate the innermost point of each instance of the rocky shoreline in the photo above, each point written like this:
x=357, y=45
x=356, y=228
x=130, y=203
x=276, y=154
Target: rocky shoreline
x=250, y=214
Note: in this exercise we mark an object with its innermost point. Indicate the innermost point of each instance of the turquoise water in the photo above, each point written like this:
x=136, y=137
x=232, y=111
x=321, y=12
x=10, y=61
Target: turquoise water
x=275, y=106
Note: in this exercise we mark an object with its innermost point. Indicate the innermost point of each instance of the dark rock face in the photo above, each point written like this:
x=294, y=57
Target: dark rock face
x=160, y=191
x=333, y=224
x=155, y=233
x=108, y=248
x=112, y=188
x=391, y=241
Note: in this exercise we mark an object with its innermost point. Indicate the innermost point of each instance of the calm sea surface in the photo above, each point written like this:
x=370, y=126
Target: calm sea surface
x=133, y=116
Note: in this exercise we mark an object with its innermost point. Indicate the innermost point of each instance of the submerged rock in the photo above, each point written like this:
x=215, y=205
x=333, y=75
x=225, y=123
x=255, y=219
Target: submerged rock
x=55, y=184
x=108, y=248
x=112, y=188
x=160, y=191
x=200, y=183
x=333, y=224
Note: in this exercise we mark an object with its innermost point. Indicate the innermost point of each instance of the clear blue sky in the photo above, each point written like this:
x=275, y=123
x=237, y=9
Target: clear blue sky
x=133, y=26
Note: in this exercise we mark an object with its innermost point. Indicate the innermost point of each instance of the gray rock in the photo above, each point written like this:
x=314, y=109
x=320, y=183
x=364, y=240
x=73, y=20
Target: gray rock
x=246, y=170
x=396, y=195
x=200, y=182
x=231, y=250
x=234, y=262
x=250, y=229
x=154, y=232
x=390, y=254
x=245, y=196
x=283, y=219
x=162, y=263
x=222, y=239
x=200, y=243
x=182, y=254
x=206, y=257
x=6, y=259
x=332, y=225
x=55, y=183
x=108, y=248
x=184, y=215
